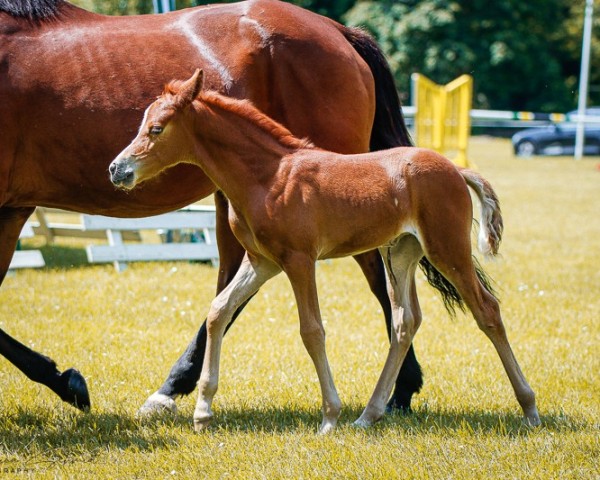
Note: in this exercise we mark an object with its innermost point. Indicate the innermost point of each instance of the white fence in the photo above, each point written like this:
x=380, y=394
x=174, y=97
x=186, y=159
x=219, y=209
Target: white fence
x=124, y=241
x=27, y=258
x=200, y=219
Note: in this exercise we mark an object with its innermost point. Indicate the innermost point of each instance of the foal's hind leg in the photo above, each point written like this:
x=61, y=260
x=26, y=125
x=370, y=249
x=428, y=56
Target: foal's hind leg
x=401, y=260
x=410, y=378
x=249, y=278
x=454, y=261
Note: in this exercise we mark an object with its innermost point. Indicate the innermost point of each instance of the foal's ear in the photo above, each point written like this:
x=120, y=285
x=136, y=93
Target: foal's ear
x=190, y=89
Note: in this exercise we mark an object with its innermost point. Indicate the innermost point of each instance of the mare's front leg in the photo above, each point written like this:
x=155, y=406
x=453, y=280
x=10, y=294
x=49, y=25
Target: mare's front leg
x=185, y=373
x=69, y=385
x=253, y=272
x=301, y=271
x=410, y=378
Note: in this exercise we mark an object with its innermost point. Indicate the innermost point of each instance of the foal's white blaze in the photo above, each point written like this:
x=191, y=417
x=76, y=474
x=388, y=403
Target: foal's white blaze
x=142, y=126
x=144, y=120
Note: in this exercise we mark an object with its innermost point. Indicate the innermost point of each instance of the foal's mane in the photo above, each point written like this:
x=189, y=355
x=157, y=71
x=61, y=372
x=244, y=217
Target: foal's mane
x=247, y=110
x=34, y=10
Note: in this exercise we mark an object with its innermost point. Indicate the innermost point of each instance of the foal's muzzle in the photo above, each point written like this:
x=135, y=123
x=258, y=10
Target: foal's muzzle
x=122, y=174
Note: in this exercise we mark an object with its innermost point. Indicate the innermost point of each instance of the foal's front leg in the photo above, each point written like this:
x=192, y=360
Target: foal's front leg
x=301, y=272
x=252, y=274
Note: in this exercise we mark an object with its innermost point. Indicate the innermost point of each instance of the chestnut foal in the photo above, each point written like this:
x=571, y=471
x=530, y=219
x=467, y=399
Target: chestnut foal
x=292, y=204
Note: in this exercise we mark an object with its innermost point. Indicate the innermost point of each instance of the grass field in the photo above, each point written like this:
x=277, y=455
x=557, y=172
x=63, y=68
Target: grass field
x=124, y=331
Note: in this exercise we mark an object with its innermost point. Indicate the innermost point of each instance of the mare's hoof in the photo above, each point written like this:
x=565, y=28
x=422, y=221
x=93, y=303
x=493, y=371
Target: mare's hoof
x=395, y=406
x=157, y=404
x=75, y=389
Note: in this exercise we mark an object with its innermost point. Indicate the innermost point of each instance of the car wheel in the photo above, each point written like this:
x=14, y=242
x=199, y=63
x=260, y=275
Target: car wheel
x=526, y=149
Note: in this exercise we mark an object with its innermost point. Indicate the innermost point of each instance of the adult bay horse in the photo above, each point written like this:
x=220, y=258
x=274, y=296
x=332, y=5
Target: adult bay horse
x=407, y=202
x=73, y=86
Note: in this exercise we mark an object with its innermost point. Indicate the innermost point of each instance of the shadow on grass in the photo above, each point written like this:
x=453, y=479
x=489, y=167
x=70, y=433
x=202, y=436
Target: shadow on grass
x=290, y=419
x=25, y=432
x=60, y=256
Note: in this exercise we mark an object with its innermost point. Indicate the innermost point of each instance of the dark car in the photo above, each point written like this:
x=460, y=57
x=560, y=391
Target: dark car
x=558, y=138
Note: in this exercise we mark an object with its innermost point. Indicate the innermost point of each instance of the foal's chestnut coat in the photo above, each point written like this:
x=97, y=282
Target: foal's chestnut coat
x=292, y=204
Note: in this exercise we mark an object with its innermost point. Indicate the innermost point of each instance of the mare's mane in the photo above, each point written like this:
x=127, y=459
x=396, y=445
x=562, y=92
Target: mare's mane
x=246, y=109
x=34, y=10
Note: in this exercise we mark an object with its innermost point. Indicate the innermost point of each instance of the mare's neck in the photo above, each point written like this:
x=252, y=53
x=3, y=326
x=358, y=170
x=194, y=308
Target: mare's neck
x=240, y=153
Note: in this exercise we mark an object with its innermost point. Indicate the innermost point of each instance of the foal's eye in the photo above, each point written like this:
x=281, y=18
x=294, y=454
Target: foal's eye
x=156, y=129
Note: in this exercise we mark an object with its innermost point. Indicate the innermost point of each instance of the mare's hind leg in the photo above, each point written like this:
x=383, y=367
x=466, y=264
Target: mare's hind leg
x=253, y=272
x=401, y=260
x=69, y=385
x=451, y=255
x=410, y=378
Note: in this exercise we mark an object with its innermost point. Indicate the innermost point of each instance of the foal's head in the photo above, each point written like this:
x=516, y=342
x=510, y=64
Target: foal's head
x=161, y=141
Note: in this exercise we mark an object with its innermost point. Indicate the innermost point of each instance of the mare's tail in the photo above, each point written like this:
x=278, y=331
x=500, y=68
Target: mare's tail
x=389, y=129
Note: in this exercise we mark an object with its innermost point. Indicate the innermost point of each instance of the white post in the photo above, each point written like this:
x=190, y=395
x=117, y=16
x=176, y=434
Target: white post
x=583, y=79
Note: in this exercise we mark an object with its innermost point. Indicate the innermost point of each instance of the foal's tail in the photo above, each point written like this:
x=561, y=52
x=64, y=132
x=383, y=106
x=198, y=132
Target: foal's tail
x=491, y=225
x=490, y=235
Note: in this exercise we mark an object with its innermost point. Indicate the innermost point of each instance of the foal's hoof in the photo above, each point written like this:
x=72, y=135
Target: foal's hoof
x=326, y=428
x=75, y=389
x=157, y=404
x=533, y=420
x=201, y=424
x=361, y=423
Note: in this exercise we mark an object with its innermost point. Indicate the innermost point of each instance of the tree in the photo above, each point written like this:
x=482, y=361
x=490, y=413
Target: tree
x=573, y=30
x=514, y=50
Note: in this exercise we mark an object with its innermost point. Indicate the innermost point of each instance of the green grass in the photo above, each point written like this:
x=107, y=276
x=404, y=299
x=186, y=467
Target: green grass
x=124, y=331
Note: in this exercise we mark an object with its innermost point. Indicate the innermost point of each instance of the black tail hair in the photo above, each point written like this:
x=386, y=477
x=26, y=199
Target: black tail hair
x=450, y=296
x=389, y=129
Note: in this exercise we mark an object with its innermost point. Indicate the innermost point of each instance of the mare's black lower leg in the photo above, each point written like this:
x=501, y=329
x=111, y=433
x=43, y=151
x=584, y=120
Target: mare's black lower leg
x=69, y=385
x=185, y=373
x=410, y=378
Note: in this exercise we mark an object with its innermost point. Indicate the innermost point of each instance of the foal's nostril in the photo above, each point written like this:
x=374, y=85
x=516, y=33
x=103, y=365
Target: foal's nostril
x=112, y=168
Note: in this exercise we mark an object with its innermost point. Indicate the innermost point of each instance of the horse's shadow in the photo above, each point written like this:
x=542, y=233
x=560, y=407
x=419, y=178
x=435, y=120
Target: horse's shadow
x=75, y=431
x=286, y=419
x=72, y=431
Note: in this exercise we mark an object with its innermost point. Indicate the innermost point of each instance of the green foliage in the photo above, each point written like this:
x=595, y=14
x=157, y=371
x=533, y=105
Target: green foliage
x=124, y=331
x=331, y=8
x=514, y=49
